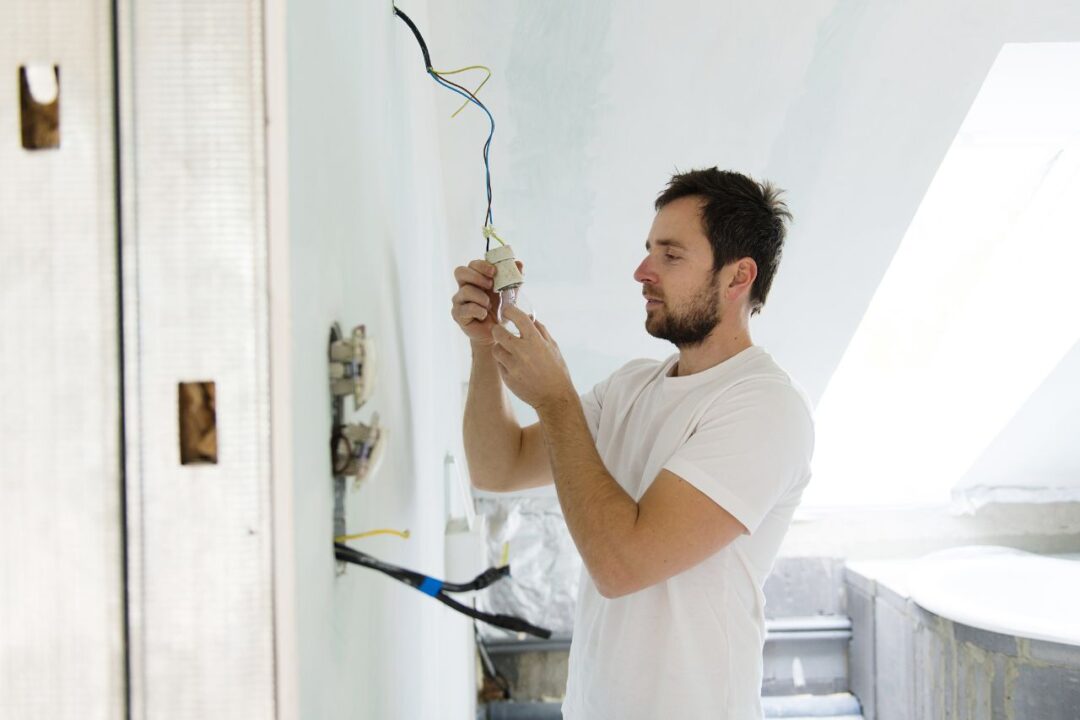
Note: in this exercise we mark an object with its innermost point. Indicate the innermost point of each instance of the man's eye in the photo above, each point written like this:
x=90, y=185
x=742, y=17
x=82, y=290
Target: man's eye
x=669, y=256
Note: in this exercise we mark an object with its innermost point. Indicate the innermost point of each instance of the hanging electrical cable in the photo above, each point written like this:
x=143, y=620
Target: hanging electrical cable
x=438, y=588
x=488, y=229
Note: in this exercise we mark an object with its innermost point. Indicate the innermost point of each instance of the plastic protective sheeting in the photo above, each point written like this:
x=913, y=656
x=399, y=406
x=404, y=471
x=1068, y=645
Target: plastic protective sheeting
x=545, y=567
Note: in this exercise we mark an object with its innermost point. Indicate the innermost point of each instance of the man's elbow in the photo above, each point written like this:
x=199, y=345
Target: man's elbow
x=490, y=477
x=609, y=591
x=479, y=484
x=615, y=581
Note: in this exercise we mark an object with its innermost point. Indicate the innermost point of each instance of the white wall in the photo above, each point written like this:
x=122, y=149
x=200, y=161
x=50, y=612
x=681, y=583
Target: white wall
x=366, y=245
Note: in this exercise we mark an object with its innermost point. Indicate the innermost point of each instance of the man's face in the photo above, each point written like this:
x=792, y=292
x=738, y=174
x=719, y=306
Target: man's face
x=683, y=299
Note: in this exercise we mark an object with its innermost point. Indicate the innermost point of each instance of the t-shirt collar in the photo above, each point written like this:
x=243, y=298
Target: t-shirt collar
x=709, y=374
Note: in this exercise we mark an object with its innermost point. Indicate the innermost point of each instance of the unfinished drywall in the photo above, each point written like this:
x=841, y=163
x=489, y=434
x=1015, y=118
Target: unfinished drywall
x=365, y=204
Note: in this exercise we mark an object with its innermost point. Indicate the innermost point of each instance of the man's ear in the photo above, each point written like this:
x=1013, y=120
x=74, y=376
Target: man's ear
x=745, y=273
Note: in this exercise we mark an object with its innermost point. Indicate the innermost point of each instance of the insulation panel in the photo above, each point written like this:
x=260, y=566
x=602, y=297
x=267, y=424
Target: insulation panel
x=61, y=577
x=195, y=306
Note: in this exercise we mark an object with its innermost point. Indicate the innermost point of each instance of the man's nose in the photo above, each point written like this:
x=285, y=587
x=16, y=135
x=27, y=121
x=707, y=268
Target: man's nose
x=644, y=272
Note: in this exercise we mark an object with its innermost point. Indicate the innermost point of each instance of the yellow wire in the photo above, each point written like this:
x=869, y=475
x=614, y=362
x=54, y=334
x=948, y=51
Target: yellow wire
x=475, y=92
x=505, y=559
x=489, y=231
x=345, y=538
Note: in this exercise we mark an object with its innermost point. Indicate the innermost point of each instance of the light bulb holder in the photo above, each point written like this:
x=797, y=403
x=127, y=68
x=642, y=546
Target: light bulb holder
x=507, y=274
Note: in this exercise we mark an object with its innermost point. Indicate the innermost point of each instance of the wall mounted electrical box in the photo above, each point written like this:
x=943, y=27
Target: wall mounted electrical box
x=356, y=448
x=352, y=366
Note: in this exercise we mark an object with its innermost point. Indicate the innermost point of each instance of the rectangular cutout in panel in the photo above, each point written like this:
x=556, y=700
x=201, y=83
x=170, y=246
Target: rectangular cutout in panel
x=198, y=423
x=39, y=105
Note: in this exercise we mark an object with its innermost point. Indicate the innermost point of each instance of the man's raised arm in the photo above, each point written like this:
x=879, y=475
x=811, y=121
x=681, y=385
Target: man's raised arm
x=501, y=455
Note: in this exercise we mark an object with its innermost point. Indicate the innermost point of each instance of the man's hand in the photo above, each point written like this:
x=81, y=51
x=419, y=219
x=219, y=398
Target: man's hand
x=475, y=305
x=530, y=365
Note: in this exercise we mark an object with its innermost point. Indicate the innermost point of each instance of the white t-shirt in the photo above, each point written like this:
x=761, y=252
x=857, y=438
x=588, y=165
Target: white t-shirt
x=691, y=646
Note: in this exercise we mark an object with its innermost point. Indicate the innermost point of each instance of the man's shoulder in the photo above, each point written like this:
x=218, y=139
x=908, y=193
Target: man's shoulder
x=771, y=388
x=772, y=374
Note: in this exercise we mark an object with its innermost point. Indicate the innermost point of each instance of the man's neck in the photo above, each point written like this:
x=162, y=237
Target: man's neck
x=721, y=344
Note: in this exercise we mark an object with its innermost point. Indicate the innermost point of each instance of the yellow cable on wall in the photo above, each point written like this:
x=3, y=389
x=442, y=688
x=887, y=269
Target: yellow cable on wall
x=382, y=531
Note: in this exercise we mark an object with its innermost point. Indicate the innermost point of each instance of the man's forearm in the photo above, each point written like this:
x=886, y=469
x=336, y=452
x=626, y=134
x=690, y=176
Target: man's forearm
x=492, y=434
x=599, y=513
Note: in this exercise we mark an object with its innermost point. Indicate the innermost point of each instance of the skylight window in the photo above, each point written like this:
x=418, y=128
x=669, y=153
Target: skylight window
x=980, y=302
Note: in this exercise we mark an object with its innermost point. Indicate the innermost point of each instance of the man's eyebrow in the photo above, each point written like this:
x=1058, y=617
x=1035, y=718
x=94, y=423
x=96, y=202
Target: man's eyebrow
x=665, y=242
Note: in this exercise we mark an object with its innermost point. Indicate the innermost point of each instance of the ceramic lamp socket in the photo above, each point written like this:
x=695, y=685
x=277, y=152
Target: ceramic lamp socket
x=507, y=274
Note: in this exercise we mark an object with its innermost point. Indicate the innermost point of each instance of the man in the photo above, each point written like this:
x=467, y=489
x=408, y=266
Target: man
x=678, y=478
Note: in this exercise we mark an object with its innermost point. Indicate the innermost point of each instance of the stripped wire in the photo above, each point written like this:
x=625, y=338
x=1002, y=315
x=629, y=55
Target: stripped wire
x=489, y=232
x=474, y=93
x=454, y=87
x=470, y=96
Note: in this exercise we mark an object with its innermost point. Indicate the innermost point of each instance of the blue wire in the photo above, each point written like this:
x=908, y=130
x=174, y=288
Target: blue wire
x=491, y=134
x=487, y=145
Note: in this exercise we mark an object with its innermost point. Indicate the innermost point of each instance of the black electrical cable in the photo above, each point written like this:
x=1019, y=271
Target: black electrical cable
x=415, y=579
x=507, y=622
x=419, y=37
x=438, y=589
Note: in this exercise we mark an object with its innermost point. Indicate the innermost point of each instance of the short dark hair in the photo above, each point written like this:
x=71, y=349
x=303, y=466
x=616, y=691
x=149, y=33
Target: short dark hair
x=741, y=218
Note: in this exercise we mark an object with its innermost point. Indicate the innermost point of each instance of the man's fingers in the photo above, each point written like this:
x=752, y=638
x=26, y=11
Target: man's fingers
x=473, y=310
x=471, y=294
x=467, y=312
x=522, y=321
x=484, y=269
x=479, y=273
x=543, y=330
x=501, y=335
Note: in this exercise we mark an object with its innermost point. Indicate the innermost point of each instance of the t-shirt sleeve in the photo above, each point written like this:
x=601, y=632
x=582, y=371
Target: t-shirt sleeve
x=592, y=402
x=750, y=448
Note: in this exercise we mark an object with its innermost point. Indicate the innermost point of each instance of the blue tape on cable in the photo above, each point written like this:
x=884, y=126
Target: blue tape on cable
x=430, y=586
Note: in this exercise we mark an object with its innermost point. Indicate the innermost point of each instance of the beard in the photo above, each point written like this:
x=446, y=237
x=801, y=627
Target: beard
x=690, y=325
